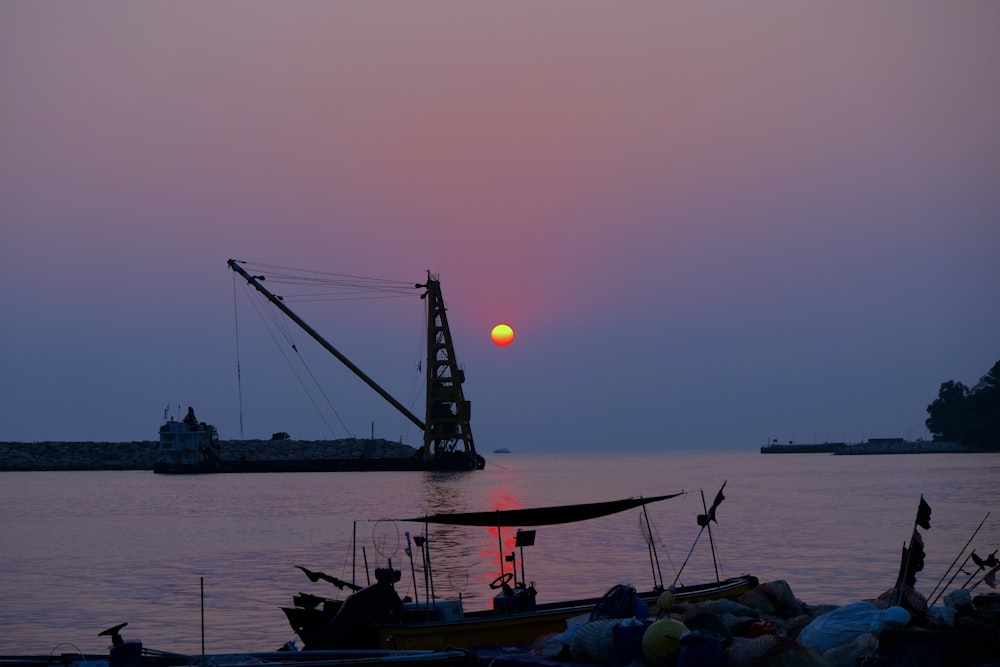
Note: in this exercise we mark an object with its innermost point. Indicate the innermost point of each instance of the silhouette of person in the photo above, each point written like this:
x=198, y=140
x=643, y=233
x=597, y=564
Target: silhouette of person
x=190, y=419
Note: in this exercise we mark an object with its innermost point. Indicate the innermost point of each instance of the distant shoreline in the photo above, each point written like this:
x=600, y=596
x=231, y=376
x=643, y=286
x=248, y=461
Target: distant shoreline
x=143, y=454
x=878, y=446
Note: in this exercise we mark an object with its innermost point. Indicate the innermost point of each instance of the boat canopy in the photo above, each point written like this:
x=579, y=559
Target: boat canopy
x=540, y=516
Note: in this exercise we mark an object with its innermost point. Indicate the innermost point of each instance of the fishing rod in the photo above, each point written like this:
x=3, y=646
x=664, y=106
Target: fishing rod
x=933, y=598
x=697, y=537
x=980, y=566
x=708, y=524
x=705, y=520
x=506, y=610
x=975, y=532
x=421, y=541
x=368, y=574
x=430, y=570
x=653, y=556
x=990, y=562
x=413, y=572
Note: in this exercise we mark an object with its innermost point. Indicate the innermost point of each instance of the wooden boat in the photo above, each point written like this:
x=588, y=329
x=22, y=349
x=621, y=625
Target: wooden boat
x=448, y=445
x=132, y=654
x=495, y=628
x=375, y=617
x=449, y=657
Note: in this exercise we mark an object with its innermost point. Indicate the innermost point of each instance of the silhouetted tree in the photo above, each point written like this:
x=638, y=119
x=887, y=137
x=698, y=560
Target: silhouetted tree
x=968, y=416
x=947, y=411
x=984, y=408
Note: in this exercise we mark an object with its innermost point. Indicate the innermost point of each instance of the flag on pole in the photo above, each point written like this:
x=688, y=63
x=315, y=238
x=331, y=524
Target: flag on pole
x=703, y=519
x=917, y=555
x=991, y=577
x=912, y=561
x=924, y=514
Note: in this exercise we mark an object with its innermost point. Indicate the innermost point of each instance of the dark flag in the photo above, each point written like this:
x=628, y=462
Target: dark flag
x=913, y=560
x=917, y=554
x=316, y=576
x=980, y=563
x=991, y=577
x=924, y=514
x=704, y=519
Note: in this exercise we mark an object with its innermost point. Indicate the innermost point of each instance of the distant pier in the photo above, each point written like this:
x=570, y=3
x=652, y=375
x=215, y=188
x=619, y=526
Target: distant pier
x=792, y=448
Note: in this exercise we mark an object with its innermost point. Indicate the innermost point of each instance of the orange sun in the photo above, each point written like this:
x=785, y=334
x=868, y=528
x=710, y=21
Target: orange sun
x=502, y=334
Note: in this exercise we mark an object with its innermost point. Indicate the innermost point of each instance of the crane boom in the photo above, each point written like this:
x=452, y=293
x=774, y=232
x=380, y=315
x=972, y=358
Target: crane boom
x=255, y=281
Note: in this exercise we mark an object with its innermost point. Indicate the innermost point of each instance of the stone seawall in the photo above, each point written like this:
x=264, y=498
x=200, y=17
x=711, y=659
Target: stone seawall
x=141, y=455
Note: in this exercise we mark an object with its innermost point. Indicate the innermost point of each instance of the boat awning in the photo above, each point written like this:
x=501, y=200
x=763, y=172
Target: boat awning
x=539, y=516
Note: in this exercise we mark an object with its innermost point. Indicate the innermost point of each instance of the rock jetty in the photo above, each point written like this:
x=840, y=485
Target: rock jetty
x=141, y=455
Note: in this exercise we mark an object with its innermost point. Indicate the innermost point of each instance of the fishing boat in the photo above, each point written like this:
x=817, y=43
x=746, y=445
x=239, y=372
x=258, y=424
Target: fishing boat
x=375, y=617
x=448, y=445
x=449, y=657
x=132, y=653
x=187, y=446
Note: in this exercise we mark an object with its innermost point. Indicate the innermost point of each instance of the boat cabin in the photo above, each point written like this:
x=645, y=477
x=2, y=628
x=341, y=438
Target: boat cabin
x=184, y=444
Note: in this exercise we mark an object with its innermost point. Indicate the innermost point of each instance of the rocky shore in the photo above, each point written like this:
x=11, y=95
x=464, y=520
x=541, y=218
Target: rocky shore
x=141, y=455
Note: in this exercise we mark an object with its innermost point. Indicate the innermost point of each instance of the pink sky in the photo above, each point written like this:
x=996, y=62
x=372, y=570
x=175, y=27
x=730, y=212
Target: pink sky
x=709, y=225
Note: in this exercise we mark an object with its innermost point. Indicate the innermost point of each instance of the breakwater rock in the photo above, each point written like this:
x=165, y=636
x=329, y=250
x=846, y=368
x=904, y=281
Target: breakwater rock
x=141, y=455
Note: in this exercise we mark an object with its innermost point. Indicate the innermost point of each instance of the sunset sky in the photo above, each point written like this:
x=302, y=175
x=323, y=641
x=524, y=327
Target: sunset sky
x=709, y=224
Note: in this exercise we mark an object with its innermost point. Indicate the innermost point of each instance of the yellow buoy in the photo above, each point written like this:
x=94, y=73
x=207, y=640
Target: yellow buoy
x=665, y=601
x=661, y=642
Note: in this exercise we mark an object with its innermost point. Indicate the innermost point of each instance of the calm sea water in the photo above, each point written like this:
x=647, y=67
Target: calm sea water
x=82, y=551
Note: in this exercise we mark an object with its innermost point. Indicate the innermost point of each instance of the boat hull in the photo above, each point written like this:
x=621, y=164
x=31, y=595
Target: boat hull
x=450, y=657
x=525, y=628
x=488, y=628
x=475, y=632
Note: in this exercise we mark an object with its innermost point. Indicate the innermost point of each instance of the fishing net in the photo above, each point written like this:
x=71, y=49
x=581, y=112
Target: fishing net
x=593, y=641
